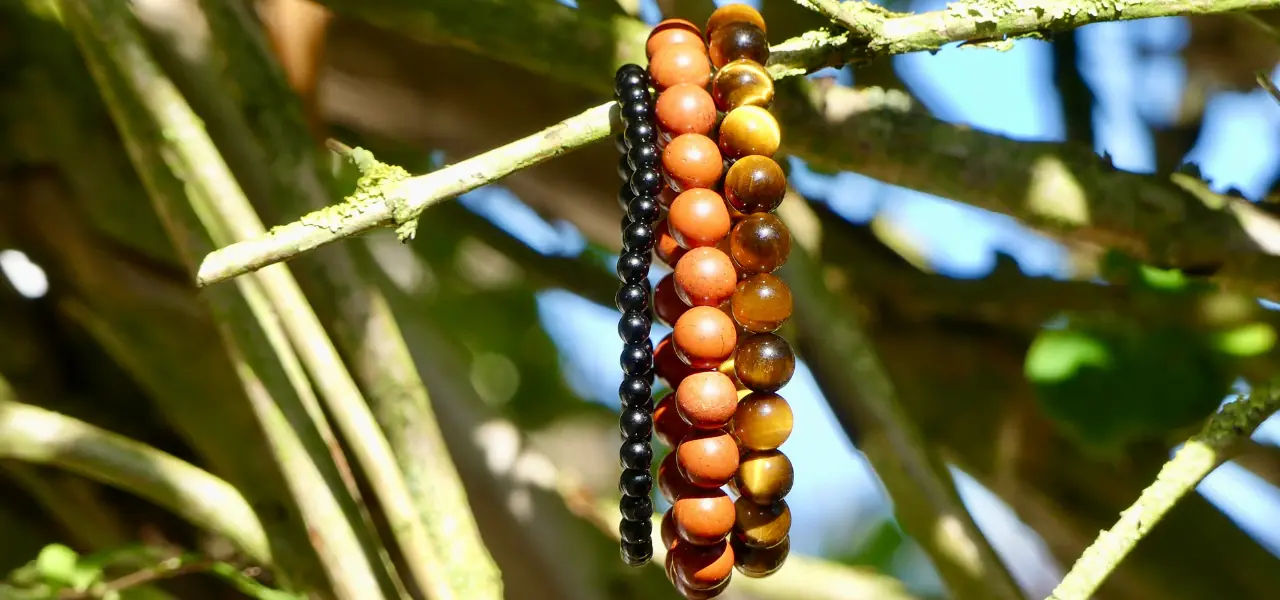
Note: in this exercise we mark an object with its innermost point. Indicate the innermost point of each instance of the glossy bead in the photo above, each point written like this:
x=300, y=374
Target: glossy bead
x=689, y=593
x=637, y=237
x=667, y=530
x=636, y=454
x=668, y=365
x=760, y=562
x=665, y=247
x=698, y=217
x=671, y=482
x=760, y=243
x=733, y=13
x=706, y=400
x=637, y=554
x=762, y=303
x=702, y=567
x=635, y=424
x=638, y=531
x=635, y=392
x=736, y=41
x=635, y=482
x=742, y=83
x=764, y=362
x=668, y=427
x=761, y=525
x=707, y=458
x=763, y=421
x=643, y=156
x=636, y=360
x=636, y=508
x=705, y=277
x=726, y=368
x=754, y=184
x=646, y=182
x=629, y=76
x=705, y=517
x=634, y=94
x=633, y=267
x=764, y=477
x=640, y=133
x=672, y=32
x=749, y=130
x=704, y=337
x=677, y=64
x=692, y=161
x=667, y=305
x=631, y=296
x=644, y=209
x=685, y=108
x=636, y=111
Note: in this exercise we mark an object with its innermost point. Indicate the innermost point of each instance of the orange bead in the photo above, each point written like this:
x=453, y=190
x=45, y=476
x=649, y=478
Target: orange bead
x=707, y=457
x=685, y=108
x=667, y=364
x=665, y=246
x=699, y=217
x=680, y=63
x=704, y=337
x=734, y=13
x=743, y=82
x=667, y=305
x=705, y=277
x=671, y=482
x=707, y=400
x=705, y=517
x=692, y=161
x=667, y=531
x=672, y=32
x=702, y=567
x=668, y=427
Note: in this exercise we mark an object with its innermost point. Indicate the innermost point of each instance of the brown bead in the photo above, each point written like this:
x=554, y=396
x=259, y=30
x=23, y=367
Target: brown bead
x=667, y=305
x=692, y=161
x=762, y=303
x=668, y=427
x=760, y=243
x=699, y=217
x=707, y=400
x=760, y=562
x=761, y=525
x=763, y=421
x=742, y=83
x=755, y=184
x=705, y=517
x=749, y=130
x=672, y=32
x=667, y=364
x=764, y=477
x=679, y=63
x=764, y=362
x=671, y=482
x=665, y=247
x=704, y=337
x=733, y=13
x=689, y=593
x=705, y=277
x=685, y=108
x=702, y=567
x=708, y=458
x=667, y=530
x=736, y=41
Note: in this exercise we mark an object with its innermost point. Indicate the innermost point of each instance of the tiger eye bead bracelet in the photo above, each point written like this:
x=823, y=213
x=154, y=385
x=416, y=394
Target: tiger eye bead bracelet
x=699, y=188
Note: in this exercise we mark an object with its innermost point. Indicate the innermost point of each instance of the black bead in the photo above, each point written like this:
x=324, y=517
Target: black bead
x=644, y=209
x=637, y=555
x=646, y=182
x=641, y=156
x=633, y=327
x=620, y=142
x=636, y=532
x=634, y=94
x=625, y=195
x=635, y=424
x=635, y=392
x=624, y=169
x=636, y=360
x=640, y=133
x=637, y=111
x=631, y=297
x=637, y=237
x=633, y=266
x=635, y=482
x=636, y=508
x=629, y=76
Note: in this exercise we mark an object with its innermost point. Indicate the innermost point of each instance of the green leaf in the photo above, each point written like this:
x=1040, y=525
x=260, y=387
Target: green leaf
x=1058, y=355
x=1253, y=339
x=56, y=563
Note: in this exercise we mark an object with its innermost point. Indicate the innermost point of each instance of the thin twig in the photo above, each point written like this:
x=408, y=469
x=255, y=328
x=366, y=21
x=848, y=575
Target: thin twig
x=1198, y=457
x=1264, y=80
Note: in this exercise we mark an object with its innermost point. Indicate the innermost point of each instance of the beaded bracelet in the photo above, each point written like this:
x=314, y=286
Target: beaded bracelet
x=724, y=421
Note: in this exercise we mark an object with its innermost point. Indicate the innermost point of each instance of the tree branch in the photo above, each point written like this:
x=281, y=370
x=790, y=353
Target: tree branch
x=1193, y=462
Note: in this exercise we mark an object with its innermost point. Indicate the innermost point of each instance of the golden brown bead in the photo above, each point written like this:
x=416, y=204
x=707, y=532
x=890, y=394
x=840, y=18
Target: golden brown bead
x=749, y=130
x=691, y=594
x=677, y=64
x=668, y=427
x=761, y=525
x=705, y=517
x=755, y=184
x=763, y=421
x=733, y=13
x=667, y=531
x=741, y=83
x=692, y=161
x=705, y=277
x=685, y=108
x=760, y=243
x=736, y=41
x=760, y=562
x=667, y=305
x=698, y=217
x=762, y=303
x=672, y=32
x=708, y=458
x=764, y=477
x=671, y=482
x=707, y=400
x=702, y=567
x=764, y=362
x=667, y=364
x=704, y=337
x=726, y=367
